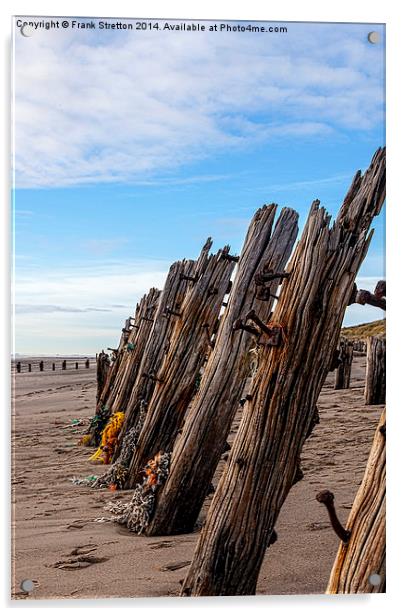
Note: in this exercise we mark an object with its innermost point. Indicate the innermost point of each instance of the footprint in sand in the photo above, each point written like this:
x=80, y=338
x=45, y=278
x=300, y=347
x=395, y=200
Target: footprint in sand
x=175, y=565
x=161, y=544
x=79, y=558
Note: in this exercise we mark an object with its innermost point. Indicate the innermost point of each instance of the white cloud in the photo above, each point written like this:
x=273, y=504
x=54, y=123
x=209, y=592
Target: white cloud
x=80, y=313
x=96, y=108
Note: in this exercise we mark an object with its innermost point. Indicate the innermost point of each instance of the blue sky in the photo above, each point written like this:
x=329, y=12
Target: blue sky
x=132, y=148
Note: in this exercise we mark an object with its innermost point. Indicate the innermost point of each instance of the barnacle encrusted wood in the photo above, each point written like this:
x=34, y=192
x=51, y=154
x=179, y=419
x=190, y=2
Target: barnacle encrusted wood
x=190, y=343
x=198, y=449
x=374, y=391
x=177, y=284
x=264, y=460
x=364, y=554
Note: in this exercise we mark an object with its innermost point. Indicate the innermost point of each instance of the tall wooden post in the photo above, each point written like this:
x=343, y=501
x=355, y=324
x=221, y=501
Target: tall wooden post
x=180, y=278
x=190, y=344
x=364, y=553
x=41, y=365
x=343, y=371
x=102, y=369
x=125, y=367
x=264, y=461
x=374, y=392
x=133, y=352
x=29, y=367
x=18, y=366
x=64, y=365
x=198, y=449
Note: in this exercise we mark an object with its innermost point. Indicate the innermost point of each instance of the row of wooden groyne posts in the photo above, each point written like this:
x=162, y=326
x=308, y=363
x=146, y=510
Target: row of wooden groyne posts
x=259, y=331
x=42, y=365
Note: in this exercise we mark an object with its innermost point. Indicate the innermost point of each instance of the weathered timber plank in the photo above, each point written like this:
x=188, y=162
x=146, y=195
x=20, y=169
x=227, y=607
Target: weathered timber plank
x=125, y=364
x=176, y=285
x=343, y=371
x=199, y=447
x=374, y=391
x=264, y=461
x=189, y=345
x=364, y=553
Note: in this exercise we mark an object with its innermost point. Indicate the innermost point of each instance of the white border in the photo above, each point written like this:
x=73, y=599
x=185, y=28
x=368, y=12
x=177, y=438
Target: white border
x=307, y=10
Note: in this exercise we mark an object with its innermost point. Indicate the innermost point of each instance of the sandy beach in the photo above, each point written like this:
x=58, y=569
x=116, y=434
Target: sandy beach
x=58, y=544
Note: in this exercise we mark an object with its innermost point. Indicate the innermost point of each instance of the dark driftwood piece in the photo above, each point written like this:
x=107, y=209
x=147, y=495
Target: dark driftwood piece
x=198, y=449
x=176, y=380
x=343, y=371
x=264, y=461
x=176, y=285
x=364, y=553
x=102, y=369
x=374, y=391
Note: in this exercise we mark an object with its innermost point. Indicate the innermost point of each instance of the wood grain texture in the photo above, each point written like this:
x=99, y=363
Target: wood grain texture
x=364, y=554
x=199, y=447
x=343, y=371
x=158, y=342
x=190, y=343
x=264, y=460
x=374, y=391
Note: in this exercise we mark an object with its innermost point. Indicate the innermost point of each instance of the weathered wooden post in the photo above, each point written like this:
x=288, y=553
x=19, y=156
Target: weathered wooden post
x=198, y=449
x=53, y=366
x=180, y=278
x=135, y=344
x=41, y=366
x=343, y=371
x=102, y=369
x=280, y=413
x=125, y=365
x=374, y=391
x=190, y=343
x=363, y=553
x=64, y=365
x=76, y=365
x=87, y=363
x=18, y=366
x=29, y=367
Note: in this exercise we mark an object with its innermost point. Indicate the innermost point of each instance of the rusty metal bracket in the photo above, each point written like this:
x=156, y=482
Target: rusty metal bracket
x=190, y=278
x=238, y=324
x=227, y=257
x=261, y=278
x=327, y=499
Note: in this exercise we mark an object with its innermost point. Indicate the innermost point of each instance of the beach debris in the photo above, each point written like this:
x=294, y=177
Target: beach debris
x=137, y=513
x=84, y=481
x=109, y=437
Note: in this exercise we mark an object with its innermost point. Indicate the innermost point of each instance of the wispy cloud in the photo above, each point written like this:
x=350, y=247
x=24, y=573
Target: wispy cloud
x=48, y=308
x=129, y=109
x=81, y=310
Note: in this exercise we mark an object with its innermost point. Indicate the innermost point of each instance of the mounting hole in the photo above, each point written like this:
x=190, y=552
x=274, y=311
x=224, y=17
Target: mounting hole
x=27, y=585
x=373, y=37
x=375, y=579
x=27, y=30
